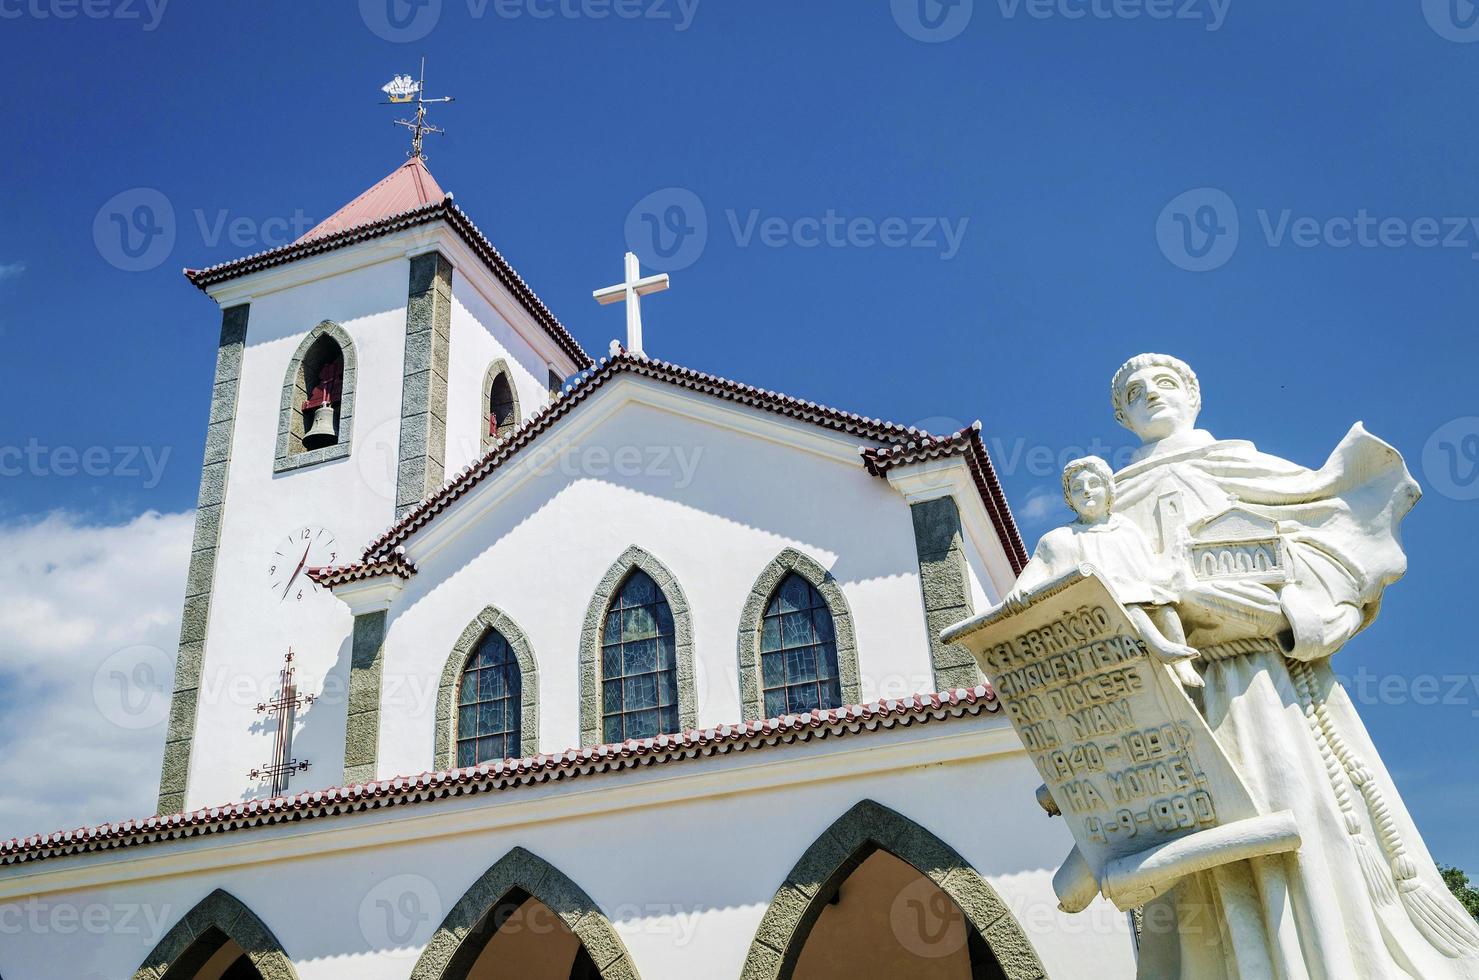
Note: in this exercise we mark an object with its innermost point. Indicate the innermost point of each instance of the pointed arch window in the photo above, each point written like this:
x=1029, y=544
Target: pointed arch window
x=489, y=703
x=639, y=676
x=500, y=404
x=798, y=651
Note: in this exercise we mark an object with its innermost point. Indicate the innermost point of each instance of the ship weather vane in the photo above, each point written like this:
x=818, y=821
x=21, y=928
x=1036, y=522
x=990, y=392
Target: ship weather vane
x=285, y=706
x=405, y=90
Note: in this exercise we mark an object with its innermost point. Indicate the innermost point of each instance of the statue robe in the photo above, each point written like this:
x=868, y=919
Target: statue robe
x=1361, y=898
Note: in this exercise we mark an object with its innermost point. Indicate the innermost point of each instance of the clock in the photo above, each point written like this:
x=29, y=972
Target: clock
x=305, y=548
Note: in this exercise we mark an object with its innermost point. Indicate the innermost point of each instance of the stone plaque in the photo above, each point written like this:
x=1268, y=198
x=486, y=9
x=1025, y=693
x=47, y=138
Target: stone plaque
x=1126, y=756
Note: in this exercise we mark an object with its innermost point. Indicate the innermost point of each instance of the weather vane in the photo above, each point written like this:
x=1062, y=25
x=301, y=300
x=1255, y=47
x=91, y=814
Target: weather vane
x=403, y=90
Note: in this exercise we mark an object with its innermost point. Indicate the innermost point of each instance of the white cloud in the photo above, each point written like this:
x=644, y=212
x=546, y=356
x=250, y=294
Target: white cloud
x=11, y=270
x=1043, y=502
x=88, y=616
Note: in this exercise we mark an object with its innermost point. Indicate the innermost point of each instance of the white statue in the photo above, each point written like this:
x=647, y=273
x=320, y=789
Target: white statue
x=1295, y=561
x=1120, y=552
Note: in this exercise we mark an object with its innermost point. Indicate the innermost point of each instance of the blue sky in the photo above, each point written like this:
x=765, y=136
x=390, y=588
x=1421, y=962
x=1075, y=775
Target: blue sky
x=930, y=214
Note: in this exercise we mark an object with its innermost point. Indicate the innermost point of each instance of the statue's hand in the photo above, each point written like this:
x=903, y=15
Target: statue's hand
x=1169, y=652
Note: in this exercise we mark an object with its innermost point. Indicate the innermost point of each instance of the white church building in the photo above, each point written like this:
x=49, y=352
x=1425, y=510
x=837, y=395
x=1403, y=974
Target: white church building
x=598, y=668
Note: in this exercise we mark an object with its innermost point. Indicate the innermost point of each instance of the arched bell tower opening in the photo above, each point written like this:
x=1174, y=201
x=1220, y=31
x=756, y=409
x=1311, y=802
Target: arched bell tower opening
x=316, y=417
x=323, y=378
x=501, y=414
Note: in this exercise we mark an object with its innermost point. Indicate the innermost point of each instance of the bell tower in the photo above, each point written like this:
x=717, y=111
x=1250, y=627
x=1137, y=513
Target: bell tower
x=350, y=382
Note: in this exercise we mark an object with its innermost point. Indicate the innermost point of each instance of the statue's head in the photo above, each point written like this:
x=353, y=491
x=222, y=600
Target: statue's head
x=1156, y=395
x=1088, y=486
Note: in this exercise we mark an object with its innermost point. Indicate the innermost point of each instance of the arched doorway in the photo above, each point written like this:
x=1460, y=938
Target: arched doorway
x=524, y=918
x=219, y=939
x=878, y=895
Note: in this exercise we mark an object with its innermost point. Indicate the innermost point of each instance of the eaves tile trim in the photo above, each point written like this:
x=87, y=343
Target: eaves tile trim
x=508, y=774
x=394, y=564
x=967, y=442
x=443, y=210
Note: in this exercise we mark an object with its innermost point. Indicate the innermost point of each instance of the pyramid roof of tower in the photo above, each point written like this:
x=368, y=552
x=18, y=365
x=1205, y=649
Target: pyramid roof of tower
x=405, y=188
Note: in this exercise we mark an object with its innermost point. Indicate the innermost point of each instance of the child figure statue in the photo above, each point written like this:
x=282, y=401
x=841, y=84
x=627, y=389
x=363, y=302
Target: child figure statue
x=1117, y=550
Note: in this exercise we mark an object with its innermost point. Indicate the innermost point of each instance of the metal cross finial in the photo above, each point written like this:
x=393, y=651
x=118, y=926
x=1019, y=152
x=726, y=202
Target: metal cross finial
x=631, y=292
x=402, y=89
x=285, y=706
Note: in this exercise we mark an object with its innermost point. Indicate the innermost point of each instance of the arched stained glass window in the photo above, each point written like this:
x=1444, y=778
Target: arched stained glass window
x=488, y=704
x=639, y=675
x=798, y=651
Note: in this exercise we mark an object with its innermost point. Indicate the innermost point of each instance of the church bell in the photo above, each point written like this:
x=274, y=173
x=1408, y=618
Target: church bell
x=322, y=432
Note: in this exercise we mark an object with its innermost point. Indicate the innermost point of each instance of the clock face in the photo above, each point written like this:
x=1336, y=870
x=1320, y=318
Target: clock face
x=307, y=547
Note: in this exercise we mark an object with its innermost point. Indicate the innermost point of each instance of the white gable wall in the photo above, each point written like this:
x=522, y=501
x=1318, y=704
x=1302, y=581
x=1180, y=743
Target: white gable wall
x=713, y=504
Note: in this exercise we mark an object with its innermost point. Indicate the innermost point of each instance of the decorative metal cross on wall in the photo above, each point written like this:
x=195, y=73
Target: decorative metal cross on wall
x=285, y=706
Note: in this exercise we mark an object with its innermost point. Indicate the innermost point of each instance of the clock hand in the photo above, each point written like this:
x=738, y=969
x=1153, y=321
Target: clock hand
x=288, y=588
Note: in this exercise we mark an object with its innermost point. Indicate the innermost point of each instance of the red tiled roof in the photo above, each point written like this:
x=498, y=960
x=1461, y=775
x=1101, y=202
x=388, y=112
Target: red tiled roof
x=394, y=564
x=967, y=442
x=442, y=210
x=406, y=188
x=508, y=774
x=875, y=430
